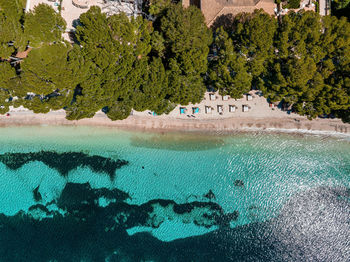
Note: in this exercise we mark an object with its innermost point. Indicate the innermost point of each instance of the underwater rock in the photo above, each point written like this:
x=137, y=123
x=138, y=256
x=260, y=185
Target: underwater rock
x=210, y=195
x=222, y=219
x=75, y=195
x=42, y=236
x=71, y=160
x=36, y=194
x=239, y=183
x=252, y=207
x=188, y=207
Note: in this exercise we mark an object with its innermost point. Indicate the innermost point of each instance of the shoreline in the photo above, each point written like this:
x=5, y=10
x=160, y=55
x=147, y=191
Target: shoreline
x=288, y=124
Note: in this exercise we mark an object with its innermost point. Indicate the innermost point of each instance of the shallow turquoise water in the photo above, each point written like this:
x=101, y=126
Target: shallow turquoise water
x=179, y=167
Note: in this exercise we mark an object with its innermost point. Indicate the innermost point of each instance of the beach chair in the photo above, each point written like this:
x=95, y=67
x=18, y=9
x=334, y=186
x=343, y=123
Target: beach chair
x=183, y=110
x=232, y=108
x=220, y=109
x=208, y=109
x=245, y=108
x=195, y=110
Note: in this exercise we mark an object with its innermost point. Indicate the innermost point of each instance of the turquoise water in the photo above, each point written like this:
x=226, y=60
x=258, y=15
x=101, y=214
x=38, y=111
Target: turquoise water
x=178, y=167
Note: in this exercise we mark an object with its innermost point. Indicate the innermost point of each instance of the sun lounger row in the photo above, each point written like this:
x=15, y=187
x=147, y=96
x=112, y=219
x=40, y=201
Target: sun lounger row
x=210, y=109
x=213, y=97
x=195, y=110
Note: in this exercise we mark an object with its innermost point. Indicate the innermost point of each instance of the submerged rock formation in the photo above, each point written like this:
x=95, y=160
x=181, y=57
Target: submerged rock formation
x=64, y=162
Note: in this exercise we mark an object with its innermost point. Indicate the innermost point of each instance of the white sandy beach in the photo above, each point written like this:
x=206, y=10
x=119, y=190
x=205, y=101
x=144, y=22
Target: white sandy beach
x=260, y=117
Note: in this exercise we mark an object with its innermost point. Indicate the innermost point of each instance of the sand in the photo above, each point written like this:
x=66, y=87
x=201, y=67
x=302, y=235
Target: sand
x=260, y=117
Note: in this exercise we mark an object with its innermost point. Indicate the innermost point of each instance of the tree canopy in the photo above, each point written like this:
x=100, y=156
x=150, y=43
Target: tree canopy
x=11, y=33
x=302, y=62
x=43, y=25
x=186, y=47
x=253, y=36
x=47, y=78
x=121, y=63
x=7, y=75
x=114, y=52
x=135, y=64
x=309, y=68
x=229, y=71
x=156, y=7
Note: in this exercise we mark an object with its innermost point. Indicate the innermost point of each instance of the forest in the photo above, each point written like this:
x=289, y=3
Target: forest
x=118, y=64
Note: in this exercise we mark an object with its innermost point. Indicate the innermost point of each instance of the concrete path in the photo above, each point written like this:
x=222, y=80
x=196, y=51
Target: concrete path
x=323, y=7
x=27, y=6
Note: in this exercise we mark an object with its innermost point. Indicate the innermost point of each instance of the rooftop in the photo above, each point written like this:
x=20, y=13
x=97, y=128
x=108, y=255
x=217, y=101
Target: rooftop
x=215, y=8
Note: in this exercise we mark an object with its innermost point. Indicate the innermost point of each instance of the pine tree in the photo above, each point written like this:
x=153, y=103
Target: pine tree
x=229, y=72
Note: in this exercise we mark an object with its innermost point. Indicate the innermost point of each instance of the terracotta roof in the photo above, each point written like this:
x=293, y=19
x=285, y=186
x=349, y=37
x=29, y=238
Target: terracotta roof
x=215, y=8
x=230, y=3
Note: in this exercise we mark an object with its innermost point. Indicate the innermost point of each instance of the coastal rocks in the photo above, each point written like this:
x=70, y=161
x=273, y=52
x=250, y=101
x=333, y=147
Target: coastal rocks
x=239, y=183
x=83, y=202
x=210, y=195
x=254, y=213
x=36, y=194
x=39, y=212
x=200, y=213
x=71, y=160
x=82, y=212
x=44, y=235
x=75, y=195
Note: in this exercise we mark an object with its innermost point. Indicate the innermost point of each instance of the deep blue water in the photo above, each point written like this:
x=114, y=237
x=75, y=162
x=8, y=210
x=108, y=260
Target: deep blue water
x=84, y=194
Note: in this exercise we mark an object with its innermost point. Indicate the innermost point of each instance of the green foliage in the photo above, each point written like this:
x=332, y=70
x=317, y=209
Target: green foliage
x=120, y=63
x=49, y=77
x=46, y=69
x=158, y=46
x=11, y=34
x=311, y=67
x=253, y=36
x=131, y=65
x=229, y=73
x=7, y=76
x=340, y=4
x=43, y=25
x=156, y=7
x=340, y=12
x=317, y=5
x=115, y=54
x=153, y=91
x=13, y=9
x=244, y=53
x=125, y=63
x=186, y=41
x=293, y=4
x=304, y=62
